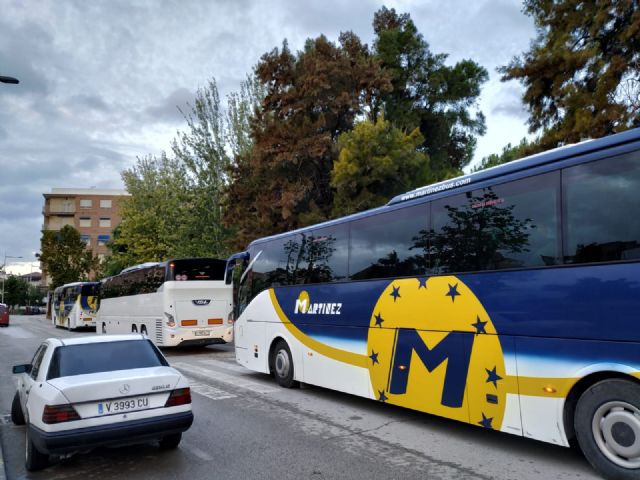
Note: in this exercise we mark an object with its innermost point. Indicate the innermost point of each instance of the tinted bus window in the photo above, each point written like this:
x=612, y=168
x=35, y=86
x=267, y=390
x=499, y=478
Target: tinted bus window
x=326, y=251
x=197, y=269
x=512, y=225
x=600, y=200
x=90, y=290
x=391, y=244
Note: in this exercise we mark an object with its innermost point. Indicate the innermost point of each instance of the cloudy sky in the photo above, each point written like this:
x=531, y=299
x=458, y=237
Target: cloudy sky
x=100, y=82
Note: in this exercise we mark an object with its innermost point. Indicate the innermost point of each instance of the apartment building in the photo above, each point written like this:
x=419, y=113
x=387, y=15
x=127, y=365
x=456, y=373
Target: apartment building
x=93, y=212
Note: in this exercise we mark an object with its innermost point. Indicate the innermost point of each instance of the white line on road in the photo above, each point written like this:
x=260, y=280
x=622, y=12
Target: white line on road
x=208, y=391
x=234, y=380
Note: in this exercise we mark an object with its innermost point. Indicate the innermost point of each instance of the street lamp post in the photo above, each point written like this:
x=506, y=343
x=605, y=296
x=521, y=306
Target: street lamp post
x=4, y=264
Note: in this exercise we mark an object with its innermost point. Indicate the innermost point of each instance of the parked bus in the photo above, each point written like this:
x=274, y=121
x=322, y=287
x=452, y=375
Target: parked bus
x=75, y=305
x=178, y=302
x=507, y=298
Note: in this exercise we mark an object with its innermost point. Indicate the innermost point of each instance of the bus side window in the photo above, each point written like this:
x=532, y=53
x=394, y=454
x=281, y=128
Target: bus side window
x=599, y=199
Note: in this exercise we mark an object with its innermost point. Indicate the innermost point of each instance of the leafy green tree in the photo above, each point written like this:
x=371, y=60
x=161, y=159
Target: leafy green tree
x=312, y=97
x=241, y=108
x=15, y=291
x=509, y=153
x=154, y=215
x=376, y=162
x=65, y=256
x=582, y=72
x=427, y=94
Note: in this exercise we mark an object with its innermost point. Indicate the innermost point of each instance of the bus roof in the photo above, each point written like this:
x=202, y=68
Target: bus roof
x=76, y=284
x=454, y=184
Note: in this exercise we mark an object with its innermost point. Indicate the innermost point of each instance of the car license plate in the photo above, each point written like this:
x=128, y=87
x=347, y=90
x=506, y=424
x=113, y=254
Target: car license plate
x=124, y=405
x=201, y=333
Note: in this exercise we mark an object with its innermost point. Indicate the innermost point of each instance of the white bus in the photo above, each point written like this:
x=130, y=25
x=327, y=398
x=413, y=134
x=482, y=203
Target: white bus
x=177, y=302
x=75, y=305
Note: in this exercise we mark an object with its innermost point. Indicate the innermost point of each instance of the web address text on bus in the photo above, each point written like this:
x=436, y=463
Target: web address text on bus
x=436, y=188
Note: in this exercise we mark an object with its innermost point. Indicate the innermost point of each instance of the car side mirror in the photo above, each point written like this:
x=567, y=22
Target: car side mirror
x=26, y=368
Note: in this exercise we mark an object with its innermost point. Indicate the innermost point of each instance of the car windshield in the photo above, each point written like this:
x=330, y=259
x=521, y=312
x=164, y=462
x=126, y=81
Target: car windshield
x=70, y=360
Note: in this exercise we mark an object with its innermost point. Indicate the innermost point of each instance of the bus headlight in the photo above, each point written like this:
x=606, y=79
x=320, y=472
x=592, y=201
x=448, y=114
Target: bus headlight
x=171, y=322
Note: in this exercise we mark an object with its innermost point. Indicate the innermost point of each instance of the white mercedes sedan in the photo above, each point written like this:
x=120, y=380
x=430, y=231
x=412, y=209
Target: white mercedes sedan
x=84, y=392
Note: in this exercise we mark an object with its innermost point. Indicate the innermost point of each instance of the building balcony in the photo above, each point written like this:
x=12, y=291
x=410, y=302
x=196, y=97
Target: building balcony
x=59, y=211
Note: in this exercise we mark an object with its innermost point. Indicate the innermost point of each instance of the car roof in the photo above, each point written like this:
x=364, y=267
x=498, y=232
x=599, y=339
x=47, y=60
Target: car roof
x=95, y=339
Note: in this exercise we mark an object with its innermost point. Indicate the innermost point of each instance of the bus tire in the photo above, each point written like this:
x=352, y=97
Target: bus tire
x=17, y=415
x=282, y=362
x=104, y=328
x=134, y=329
x=607, y=425
x=143, y=330
x=170, y=441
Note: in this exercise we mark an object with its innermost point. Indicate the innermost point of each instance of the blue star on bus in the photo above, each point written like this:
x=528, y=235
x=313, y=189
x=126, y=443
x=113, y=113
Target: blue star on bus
x=479, y=326
x=453, y=292
x=379, y=320
x=493, y=377
x=423, y=283
x=486, y=422
x=382, y=397
x=374, y=357
x=395, y=294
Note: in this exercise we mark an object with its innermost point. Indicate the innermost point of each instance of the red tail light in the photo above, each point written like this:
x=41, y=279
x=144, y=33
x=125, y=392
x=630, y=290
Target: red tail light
x=59, y=414
x=181, y=396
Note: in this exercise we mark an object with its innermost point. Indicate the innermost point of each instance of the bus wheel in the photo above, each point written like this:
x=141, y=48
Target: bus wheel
x=283, y=365
x=607, y=424
x=143, y=330
x=104, y=327
x=134, y=329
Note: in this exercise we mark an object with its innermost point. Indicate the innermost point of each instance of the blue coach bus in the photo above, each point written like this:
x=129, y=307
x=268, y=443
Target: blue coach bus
x=508, y=298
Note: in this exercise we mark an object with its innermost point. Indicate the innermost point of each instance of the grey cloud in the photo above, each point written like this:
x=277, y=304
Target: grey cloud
x=167, y=110
x=508, y=102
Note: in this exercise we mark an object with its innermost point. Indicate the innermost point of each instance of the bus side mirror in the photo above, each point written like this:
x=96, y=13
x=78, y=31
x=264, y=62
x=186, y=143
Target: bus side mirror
x=26, y=368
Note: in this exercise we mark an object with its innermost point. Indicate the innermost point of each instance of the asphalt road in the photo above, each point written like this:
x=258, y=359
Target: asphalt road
x=246, y=427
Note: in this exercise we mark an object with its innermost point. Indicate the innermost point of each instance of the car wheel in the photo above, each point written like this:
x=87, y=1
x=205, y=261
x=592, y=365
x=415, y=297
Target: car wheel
x=33, y=458
x=17, y=417
x=143, y=330
x=607, y=424
x=171, y=441
x=282, y=363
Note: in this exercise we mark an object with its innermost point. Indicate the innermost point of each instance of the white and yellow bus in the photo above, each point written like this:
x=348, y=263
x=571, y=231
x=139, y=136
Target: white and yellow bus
x=75, y=305
x=177, y=302
x=507, y=299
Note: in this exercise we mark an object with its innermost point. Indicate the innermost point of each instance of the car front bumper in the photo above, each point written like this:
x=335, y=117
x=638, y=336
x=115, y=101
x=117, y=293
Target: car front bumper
x=134, y=431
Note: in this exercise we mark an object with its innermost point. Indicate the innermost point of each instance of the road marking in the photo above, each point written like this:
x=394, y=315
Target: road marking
x=199, y=453
x=230, y=366
x=208, y=391
x=234, y=380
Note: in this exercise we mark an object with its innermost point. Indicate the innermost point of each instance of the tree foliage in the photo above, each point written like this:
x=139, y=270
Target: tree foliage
x=428, y=94
x=508, y=154
x=376, y=162
x=582, y=72
x=311, y=98
x=65, y=257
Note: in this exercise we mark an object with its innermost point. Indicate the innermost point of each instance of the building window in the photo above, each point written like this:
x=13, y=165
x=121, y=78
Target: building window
x=105, y=222
x=85, y=221
x=86, y=239
x=103, y=239
x=105, y=203
x=86, y=203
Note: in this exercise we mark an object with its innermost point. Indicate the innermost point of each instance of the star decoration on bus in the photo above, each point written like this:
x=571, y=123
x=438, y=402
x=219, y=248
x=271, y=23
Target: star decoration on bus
x=493, y=377
x=423, y=283
x=374, y=357
x=379, y=320
x=479, y=325
x=486, y=422
x=453, y=292
x=396, y=293
x=382, y=397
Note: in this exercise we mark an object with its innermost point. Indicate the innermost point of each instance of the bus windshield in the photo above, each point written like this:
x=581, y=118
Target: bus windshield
x=90, y=290
x=197, y=269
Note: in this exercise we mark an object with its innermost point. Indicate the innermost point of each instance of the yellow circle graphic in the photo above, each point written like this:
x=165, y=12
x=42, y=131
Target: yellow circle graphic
x=432, y=347
x=303, y=303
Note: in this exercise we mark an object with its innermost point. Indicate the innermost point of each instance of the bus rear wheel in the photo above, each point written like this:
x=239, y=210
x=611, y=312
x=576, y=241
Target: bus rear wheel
x=607, y=424
x=282, y=364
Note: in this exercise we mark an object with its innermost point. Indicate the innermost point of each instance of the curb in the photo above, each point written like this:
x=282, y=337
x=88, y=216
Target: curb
x=2, y=465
